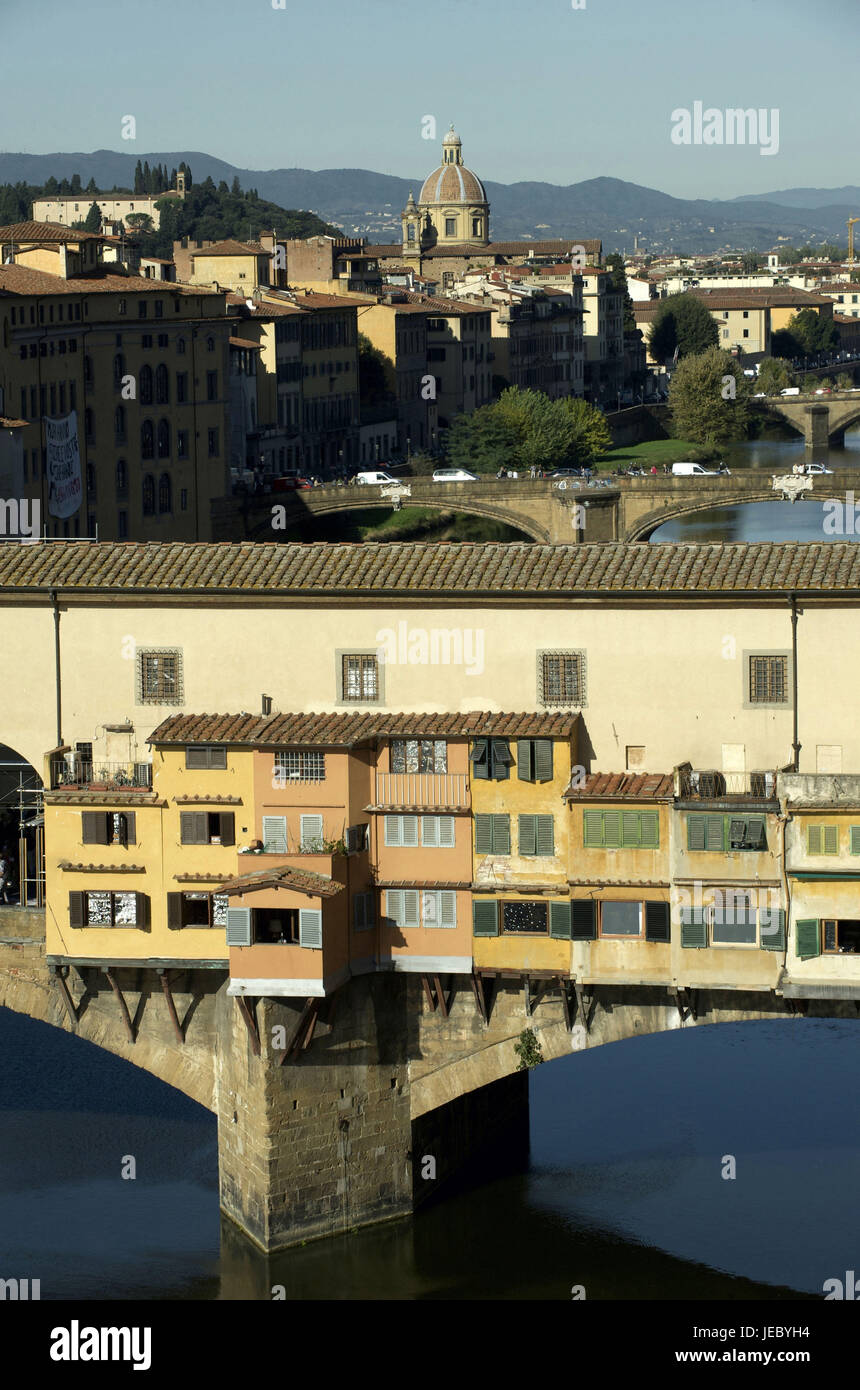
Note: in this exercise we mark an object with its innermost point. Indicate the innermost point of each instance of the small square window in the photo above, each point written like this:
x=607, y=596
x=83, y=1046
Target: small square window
x=561, y=678
x=359, y=678
x=159, y=676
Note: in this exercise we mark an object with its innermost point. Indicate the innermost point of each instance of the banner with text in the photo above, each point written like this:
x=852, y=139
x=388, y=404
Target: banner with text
x=64, y=465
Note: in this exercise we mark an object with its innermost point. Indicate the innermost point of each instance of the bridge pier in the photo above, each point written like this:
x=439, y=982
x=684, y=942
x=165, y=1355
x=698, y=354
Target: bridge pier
x=816, y=420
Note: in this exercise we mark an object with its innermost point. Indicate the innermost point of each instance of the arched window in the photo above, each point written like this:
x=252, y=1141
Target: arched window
x=163, y=439
x=210, y=344
x=164, y=498
x=146, y=385
x=121, y=475
x=119, y=423
x=149, y=495
x=147, y=440
x=180, y=344
x=162, y=385
x=118, y=370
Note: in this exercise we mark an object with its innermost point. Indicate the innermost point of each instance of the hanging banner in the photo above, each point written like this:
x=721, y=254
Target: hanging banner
x=65, y=493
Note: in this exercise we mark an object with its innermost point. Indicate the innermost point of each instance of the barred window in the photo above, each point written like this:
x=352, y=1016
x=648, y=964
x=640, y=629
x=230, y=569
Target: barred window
x=561, y=678
x=159, y=677
x=360, y=678
x=299, y=766
x=769, y=679
x=419, y=755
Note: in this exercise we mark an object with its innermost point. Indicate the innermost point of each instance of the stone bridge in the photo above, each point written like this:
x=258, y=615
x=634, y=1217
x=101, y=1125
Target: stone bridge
x=822, y=420
x=628, y=509
x=328, y=1123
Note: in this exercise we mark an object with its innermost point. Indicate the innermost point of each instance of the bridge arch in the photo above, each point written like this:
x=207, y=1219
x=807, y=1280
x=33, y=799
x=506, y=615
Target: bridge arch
x=294, y=517
x=644, y=526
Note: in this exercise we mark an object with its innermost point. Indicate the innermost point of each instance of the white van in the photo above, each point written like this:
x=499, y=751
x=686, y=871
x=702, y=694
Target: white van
x=790, y=391
x=375, y=477
x=687, y=470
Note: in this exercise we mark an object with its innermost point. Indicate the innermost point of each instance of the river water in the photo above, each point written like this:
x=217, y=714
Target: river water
x=622, y=1192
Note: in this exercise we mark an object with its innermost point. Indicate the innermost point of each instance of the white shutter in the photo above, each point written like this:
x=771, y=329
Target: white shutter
x=394, y=905
x=238, y=926
x=410, y=905
x=393, y=831
x=410, y=831
x=275, y=834
x=430, y=831
x=311, y=830
x=310, y=926
x=448, y=913
x=446, y=832
x=430, y=908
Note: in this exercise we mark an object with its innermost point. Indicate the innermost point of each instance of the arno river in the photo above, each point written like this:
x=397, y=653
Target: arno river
x=621, y=1192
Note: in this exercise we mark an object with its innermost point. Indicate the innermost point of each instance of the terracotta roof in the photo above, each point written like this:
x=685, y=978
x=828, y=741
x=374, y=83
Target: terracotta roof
x=284, y=876
x=775, y=298
x=562, y=246
x=627, y=786
x=8, y=422
x=354, y=727
x=452, y=183
x=508, y=571
x=45, y=231
x=231, y=247
x=245, y=343
x=21, y=279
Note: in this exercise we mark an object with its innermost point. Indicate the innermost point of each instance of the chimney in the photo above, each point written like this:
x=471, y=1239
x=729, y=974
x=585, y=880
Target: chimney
x=267, y=704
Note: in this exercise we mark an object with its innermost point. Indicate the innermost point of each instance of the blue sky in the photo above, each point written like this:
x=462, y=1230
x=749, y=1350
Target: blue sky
x=538, y=91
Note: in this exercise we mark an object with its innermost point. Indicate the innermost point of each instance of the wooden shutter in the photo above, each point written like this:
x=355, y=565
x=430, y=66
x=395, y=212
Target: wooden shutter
x=393, y=831
x=483, y=834
x=447, y=916
x=501, y=758
x=174, y=911
x=141, y=910
x=430, y=831
x=612, y=829
x=855, y=839
x=275, y=834
x=831, y=839
x=696, y=832
x=485, y=917
x=649, y=830
x=446, y=832
x=94, y=828
x=130, y=824
x=310, y=928
x=808, y=937
x=239, y=926
x=410, y=832
x=630, y=828
x=77, y=908
x=196, y=756
x=430, y=908
x=559, y=920
x=694, y=928
x=754, y=837
x=501, y=834
x=310, y=831
x=215, y=756
x=525, y=759
x=592, y=829
x=194, y=827
x=772, y=929
x=527, y=835
x=410, y=908
x=545, y=836
x=814, y=839
x=480, y=758
x=227, y=827
x=583, y=919
x=657, y=922
x=715, y=832
x=543, y=759
x=394, y=905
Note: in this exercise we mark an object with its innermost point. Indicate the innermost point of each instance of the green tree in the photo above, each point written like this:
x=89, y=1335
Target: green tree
x=751, y=261
x=773, y=376
x=93, y=220
x=812, y=332
x=375, y=374
x=591, y=434
x=139, y=222
x=75, y=185
x=483, y=441
x=682, y=321
x=845, y=381
x=138, y=177
x=784, y=344
x=708, y=398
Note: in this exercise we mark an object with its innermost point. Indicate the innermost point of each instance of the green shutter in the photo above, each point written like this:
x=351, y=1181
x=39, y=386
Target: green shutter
x=583, y=919
x=715, y=832
x=559, y=920
x=592, y=829
x=480, y=757
x=630, y=828
x=501, y=834
x=525, y=767
x=755, y=833
x=808, y=937
x=485, y=917
x=696, y=832
x=657, y=922
x=772, y=929
x=855, y=839
x=527, y=834
x=649, y=830
x=543, y=759
x=814, y=839
x=831, y=839
x=545, y=836
x=483, y=834
x=694, y=928
x=612, y=829
x=500, y=755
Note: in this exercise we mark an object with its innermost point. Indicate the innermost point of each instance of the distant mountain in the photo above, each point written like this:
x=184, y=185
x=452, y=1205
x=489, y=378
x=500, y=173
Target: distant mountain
x=361, y=201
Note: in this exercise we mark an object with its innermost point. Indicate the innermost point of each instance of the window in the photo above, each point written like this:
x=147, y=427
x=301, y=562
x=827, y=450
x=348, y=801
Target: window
x=437, y=832
x=734, y=919
x=213, y=443
x=299, y=766
x=401, y=832
x=275, y=834
x=159, y=675
x=723, y=833
x=119, y=424
x=107, y=909
x=621, y=830
x=149, y=495
x=311, y=835
x=207, y=828
x=840, y=937
x=107, y=827
x=491, y=759
x=122, y=525
x=402, y=906
x=536, y=836
x=492, y=834
x=181, y=387
x=118, y=370
x=196, y=909
x=620, y=919
x=824, y=839
x=419, y=755
x=450, y=226
x=182, y=444
x=525, y=918
x=359, y=674
x=357, y=839
x=211, y=386
x=768, y=680
x=141, y=308
x=363, y=912
x=121, y=476
x=183, y=499
x=162, y=385
x=534, y=759
x=210, y=344
x=205, y=755
x=180, y=345
x=165, y=498
x=561, y=678
x=439, y=909
x=147, y=440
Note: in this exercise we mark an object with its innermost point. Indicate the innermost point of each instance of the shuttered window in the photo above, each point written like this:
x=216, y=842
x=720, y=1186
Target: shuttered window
x=694, y=927
x=824, y=839
x=108, y=828
x=621, y=829
x=275, y=834
x=311, y=833
x=363, y=915
x=401, y=832
x=855, y=839
x=620, y=919
x=94, y=828
x=492, y=834
x=807, y=938
x=536, y=836
x=209, y=755
x=485, y=917
x=437, y=832
x=401, y=906
x=439, y=909
x=771, y=925
x=559, y=920
x=534, y=759
x=310, y=928
x=735, y=919
x=657, y=922
x=491, y=759
x=583, y=919
x=102, y=908
x=238, y=926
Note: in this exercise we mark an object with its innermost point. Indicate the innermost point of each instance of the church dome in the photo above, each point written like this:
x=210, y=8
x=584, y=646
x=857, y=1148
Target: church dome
x=452, y=183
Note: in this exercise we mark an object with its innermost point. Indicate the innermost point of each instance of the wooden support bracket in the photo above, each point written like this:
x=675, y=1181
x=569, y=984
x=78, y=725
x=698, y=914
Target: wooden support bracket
x=440, y=996
x=480, y=1000
x=126, y=1018
x=60, y=973
x=250, y=1023
x=685, y=1002
x=304, y=1030
x=164, y=977
x=584, y=1005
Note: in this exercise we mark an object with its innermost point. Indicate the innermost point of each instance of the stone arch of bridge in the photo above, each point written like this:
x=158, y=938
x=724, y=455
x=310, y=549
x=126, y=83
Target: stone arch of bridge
x=509, y=516
x=644, y=526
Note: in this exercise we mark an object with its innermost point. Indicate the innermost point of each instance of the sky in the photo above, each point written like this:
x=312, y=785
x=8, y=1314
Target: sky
x=538, y=91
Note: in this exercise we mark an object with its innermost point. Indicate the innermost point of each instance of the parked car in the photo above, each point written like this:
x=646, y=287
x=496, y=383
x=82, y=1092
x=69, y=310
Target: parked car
x=568, y=473
x=289, y=482
x=374, y=476
x=454, y=475
x=824, y=391
x=686, y=469
x=790, y=391
x=816, y=468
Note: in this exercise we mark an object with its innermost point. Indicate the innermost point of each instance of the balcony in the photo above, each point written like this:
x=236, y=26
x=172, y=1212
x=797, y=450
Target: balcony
x=76, y=775
x=421, y=791
x=725, y=786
